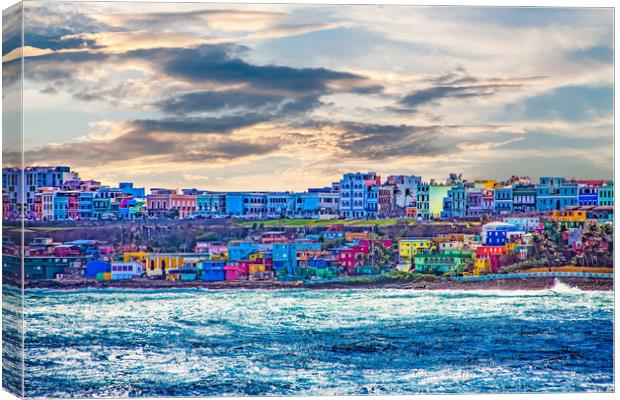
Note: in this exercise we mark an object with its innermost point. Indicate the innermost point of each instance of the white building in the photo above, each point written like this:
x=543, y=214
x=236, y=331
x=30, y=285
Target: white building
x=125, y=270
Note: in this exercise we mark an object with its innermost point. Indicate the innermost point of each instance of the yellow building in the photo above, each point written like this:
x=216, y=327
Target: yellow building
x=408, y=248
x=568, y=216
x=135, y=256
x=482, y=266
x=257, y=268
x=157, y=263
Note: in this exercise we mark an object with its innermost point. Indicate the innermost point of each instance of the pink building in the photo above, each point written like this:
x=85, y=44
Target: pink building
x=185, y=204
x=234, y=270
x=158, y=204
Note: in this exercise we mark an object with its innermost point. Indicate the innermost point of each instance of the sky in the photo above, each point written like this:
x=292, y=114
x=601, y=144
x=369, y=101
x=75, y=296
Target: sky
x=286, y=97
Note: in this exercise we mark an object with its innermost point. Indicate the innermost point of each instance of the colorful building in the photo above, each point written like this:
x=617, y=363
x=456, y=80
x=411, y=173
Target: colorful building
x=359, y=195
x=209, y=270
x=503, y=202
x=452, y=262
x=125, y=270
x=524, y=198
x=409, y=248
x=606, y=194
x=158, y=264
x=285, y=255
x=556, y=194
x=183, y=204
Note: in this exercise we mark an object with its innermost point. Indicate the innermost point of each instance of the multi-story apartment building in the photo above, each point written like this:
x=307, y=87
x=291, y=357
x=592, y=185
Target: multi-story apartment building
x=556, y=194
x=211, y=203
x=503, y=200
x=280, y=204
x=359, y=195
x=523, y=198
x=588, y=195
x=606, y=194
x=247, y=204
x=474, y=204
x=183, y=204
x=455, y=202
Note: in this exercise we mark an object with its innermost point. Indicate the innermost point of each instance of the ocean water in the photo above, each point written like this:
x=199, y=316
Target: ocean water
x=93, y=343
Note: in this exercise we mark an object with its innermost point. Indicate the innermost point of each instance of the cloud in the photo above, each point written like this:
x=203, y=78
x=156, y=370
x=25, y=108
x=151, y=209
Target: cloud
x=139, y=146
x=218, y=100
x=459, y=84
x=215, y=125
x=222, y=64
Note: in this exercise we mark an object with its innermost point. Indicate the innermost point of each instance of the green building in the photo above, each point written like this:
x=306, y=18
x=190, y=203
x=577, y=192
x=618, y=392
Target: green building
x=452, y=262
x=429, y=199
x=40, y=268
x=606, y=195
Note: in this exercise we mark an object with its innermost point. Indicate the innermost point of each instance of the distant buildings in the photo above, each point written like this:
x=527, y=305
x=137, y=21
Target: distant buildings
x=58, y=194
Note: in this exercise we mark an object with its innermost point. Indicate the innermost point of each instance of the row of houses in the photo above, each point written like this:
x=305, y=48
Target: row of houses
x=499, y=243
x=57, y=194
x=268, y=256
x=289, y=255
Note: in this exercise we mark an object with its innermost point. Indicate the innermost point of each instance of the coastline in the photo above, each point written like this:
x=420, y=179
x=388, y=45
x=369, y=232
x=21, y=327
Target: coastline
x=543, y=283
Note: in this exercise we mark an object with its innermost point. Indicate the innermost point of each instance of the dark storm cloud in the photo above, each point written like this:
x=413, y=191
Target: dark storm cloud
x=217, y=100
x=214, y=125
x=269, y=105
x=222, y=64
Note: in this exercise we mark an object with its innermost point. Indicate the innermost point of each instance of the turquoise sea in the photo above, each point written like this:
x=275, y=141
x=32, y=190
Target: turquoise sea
x=93, y=343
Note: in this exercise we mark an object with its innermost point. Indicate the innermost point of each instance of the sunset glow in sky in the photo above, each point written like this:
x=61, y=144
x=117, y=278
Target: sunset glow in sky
x=285, y=97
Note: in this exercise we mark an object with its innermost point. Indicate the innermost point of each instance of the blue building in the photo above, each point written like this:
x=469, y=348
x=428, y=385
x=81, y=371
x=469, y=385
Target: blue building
x=556, y=194
x=211, y=203
x=333, y=235
x=588, y=195
x=246, y=204
x=359, y=195
x=279, y=204
x=209, y=270
x=503, y=200
x=238, y=250
x=61, y=204
x=85, y=205
x=128, y=189
x=95, y=267
x=455, y=203
x=315, y=204
x=285, y=255
x=495, y=237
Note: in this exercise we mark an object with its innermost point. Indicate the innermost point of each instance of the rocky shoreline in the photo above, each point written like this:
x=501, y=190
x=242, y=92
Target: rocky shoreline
x=502, y=284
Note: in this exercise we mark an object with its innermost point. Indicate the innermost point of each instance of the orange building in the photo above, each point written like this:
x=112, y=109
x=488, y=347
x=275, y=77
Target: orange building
x=351, y=236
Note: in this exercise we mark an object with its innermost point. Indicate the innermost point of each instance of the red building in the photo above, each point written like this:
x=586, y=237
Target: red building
x=493, y=253
x=351, y=257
